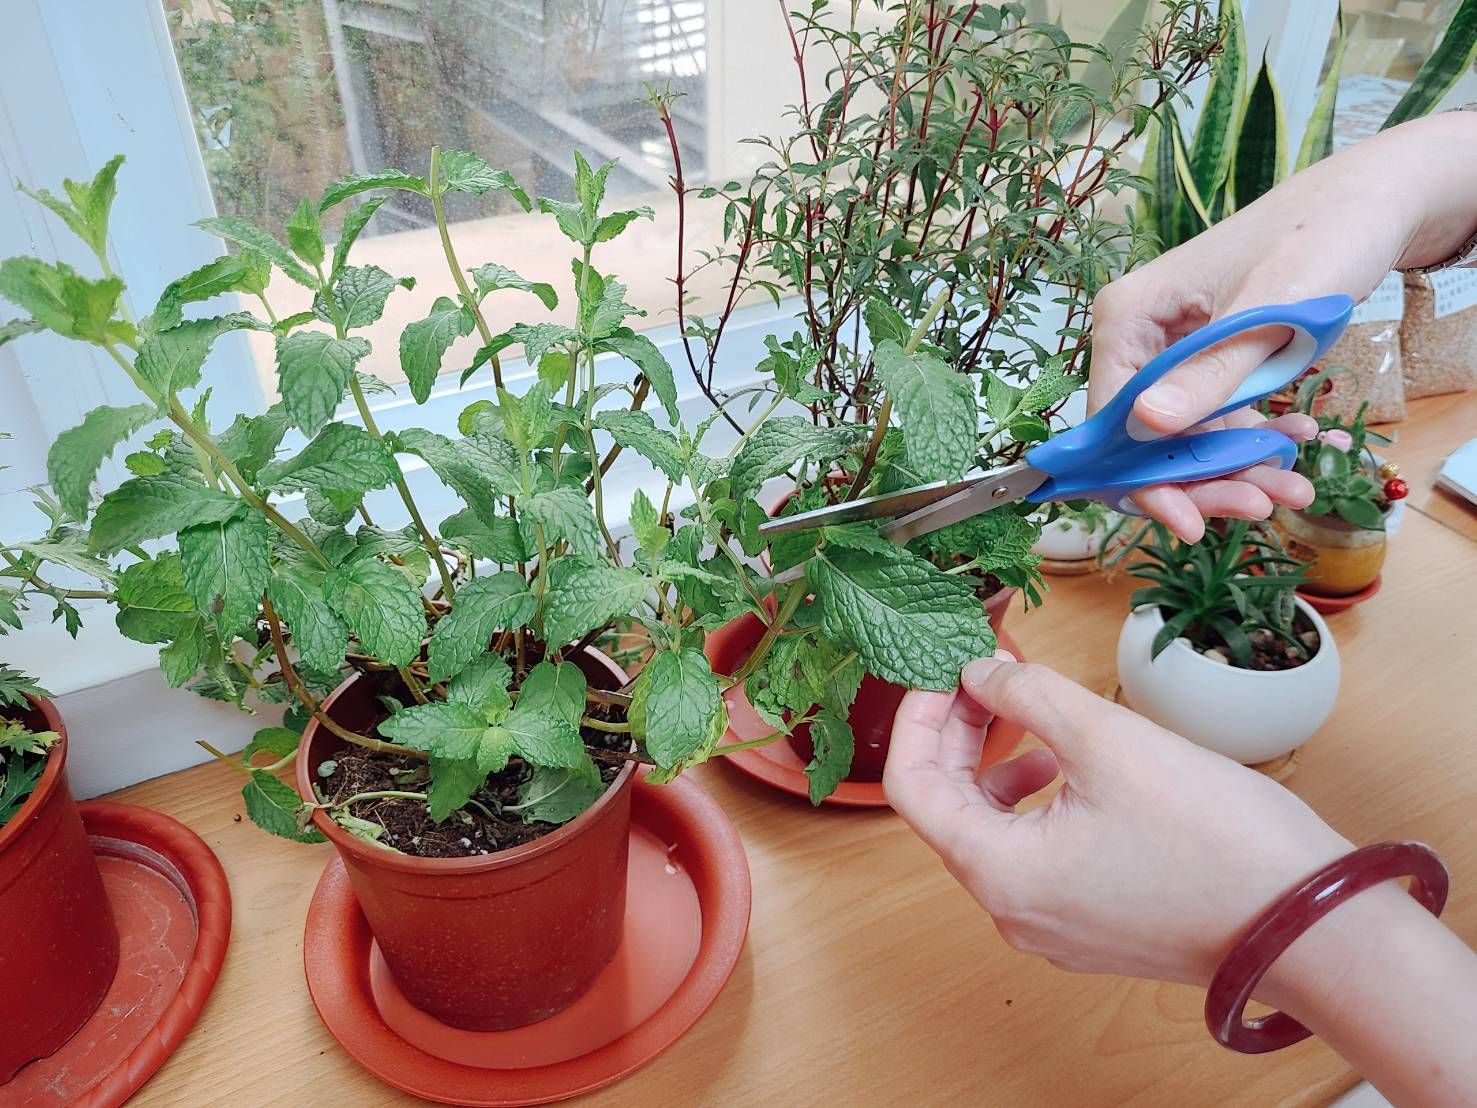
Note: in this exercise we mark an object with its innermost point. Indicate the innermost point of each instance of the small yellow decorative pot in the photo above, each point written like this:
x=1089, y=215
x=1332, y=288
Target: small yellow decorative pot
x=1342, y=559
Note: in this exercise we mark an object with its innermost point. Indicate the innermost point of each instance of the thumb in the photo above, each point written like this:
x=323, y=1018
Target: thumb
x=1190, y=392
x=1058, y=711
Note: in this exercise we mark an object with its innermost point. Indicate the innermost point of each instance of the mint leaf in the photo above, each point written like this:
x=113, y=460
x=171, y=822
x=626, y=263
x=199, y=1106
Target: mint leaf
x=491, y=277
x=558, y=795
x=600, y=315
x=673, y=705
x=182, y=659
x=424, y=343
x=834, y=745
x=355, y=221
x=226, y=568
x=477, y=470
x=171, y=360
x=226, y=274
x=884, y=323
x=651, y=535
x=381, y=607
x=542, y=739
x=74, y=458
x=279, y=742
x=355, y=183
x=1051, y=387
x=584, y=594
x=1002, y=401
x=441, y=727
x=483, y=607
x=911, y=623
x=537, y=341
x=780, y=443
x=253, y=237
x=88, y=204
x=637, y=431
x=1000, y=540
x=273, y=806
x=589, y=184
x=313, y=373
x=319, y=635
x=343, y=458
x=555, y=689
x=566, y=514
x=251, y=441
x=613, y=224
x=304, y=233
x=483, y=684
x=936, y=408
x=453, y=783
x=466, y=172
x=359, y=295
x=497, y=539
x=18, y=327
x=649, y=360
x=145, y=508
x=59, y=297
x=153, y=605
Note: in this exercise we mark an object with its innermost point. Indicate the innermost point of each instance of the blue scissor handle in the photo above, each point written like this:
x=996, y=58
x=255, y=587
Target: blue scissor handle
x=1112, y=454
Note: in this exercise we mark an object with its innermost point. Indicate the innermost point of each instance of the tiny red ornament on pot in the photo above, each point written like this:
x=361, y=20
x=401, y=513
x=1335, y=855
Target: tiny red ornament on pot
x=1396, y=489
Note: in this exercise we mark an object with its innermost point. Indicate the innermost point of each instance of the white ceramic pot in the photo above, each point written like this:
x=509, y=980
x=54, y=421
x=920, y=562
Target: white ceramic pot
x=1070, y=540
x=1249, y=715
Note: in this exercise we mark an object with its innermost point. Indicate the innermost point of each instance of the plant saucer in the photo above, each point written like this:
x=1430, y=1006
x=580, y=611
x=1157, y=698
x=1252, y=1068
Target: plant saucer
x=687, y=915
x=1328, y=605
x=778, y=765
x=173, y=909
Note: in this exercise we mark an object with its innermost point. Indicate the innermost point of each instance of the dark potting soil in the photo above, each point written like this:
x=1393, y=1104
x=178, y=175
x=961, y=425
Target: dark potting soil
x=473, y=830
x=1270, y=652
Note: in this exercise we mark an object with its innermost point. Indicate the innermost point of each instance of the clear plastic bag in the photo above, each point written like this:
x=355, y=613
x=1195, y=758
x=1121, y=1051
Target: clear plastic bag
x=1438, y=336
x=1370, y=351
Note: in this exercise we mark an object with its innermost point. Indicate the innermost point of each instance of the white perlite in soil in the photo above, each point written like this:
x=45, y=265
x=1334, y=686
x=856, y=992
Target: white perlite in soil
x=1438, y=337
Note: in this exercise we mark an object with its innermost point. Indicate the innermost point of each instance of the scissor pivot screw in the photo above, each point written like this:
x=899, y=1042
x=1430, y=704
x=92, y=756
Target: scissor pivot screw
x=1000, y=492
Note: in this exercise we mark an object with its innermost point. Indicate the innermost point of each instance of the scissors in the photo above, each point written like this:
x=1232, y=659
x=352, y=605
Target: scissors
x=1112, y=455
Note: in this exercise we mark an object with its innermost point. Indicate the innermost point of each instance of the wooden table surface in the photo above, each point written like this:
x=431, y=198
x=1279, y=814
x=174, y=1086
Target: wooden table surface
x=869, y=976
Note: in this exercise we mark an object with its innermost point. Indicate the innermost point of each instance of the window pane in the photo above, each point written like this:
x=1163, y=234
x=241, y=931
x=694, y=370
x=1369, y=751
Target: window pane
x=287, y=95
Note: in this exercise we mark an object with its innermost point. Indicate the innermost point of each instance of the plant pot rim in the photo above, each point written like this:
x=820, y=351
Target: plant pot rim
x=386, y=858
x=1180, y=644
x=1335, y=522
x=51, y=776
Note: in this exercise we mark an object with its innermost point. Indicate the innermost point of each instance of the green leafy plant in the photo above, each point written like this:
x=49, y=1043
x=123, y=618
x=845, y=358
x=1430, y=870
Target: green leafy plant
x=246, y=552
x=930, y=205
x=22, y=751
x=1340, y=464
x=1239, y=148
x=1220, y=592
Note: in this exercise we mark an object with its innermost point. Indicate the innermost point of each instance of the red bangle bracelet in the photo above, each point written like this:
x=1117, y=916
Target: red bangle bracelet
x=1294, y=912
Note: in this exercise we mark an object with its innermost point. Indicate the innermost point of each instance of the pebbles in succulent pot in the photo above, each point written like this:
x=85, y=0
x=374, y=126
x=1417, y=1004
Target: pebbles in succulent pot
x=1341, y=535
x=1219, y=648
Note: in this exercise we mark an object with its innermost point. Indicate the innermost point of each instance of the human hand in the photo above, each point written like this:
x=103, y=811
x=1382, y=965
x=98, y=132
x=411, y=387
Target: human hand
x=1150, y=859
x=1337, y=227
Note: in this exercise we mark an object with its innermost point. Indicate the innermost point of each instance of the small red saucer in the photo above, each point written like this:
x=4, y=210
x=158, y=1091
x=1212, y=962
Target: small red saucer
x=1327, y=605
x=173, y=909
x=687, y=914
x=777, y=763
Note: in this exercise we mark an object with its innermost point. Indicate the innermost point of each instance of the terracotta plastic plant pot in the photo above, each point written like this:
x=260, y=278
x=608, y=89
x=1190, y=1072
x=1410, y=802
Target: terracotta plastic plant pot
x=1246, y=714
x=492, y=942
x=1285, y=400
x=58, y=942
x=875, y=706
x=1342, y=559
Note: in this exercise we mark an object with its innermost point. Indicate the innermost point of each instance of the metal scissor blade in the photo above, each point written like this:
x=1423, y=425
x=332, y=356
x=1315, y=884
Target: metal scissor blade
x=981, y=494
x=886, y=506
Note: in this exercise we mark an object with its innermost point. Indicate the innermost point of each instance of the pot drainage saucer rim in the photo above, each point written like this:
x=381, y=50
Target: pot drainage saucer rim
x=779, y=766
x=680, y=835
x=173, y=908
x=1328, y=605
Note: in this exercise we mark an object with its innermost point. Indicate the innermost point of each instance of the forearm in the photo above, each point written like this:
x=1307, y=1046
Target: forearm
x=1431, y=167
x=1393, y=991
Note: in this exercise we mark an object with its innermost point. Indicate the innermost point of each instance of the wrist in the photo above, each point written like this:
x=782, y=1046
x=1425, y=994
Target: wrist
x=1438, y=196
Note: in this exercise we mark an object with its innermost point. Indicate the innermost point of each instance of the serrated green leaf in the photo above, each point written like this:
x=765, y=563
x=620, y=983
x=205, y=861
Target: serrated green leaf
x=651, y=534
x=226, y=568
x=73, y=460
x=583, y=595
x=68, y=548
x=673, y=705
x=18, y=327
x=305, y=233
x=565, y=513
x=319, y=635
x=59, y=297
x=153, y=604
x=491, y=277
x=255, y=238
x=555, y=689
x=359, y=296
x=558, y=795
x=637, y=431
x=251, y=441
x=355, y=221
x=453, y=783
x=381, y=607
x=483, y=685
x=313, y=374
x=545, y=739
x=279, y=742
x=526, y=419
x=1053, y=385
x=482, y=607
x=342, y=457
x=780, y=443
x=613, y=224
x=182, y=659
x=354, y=183
x=442, y=728
x=424, y=343
x=273, y=806
x=936, y=407
x=911, y=623
x=476, y=469
x=226, y=274
x=497, y=540
x=833, y=745
x=171, y=360
x=466, y=172
x=144, y=508
x=884, y=323
x=649, y=360
x=88, y=204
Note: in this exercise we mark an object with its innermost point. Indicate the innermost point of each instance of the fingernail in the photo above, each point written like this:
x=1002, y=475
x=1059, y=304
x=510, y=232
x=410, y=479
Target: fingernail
x=977, y=671
x=1167, y=399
